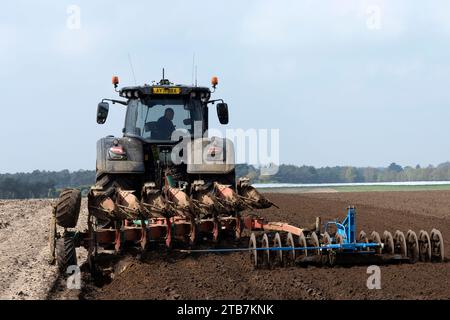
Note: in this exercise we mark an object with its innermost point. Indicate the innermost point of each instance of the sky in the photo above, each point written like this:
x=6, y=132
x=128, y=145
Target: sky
x=362, y=83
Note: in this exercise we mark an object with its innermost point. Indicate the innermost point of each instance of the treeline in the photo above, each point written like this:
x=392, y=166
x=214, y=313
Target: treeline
x=48, y=184
x=347, y=174
x=43, y=184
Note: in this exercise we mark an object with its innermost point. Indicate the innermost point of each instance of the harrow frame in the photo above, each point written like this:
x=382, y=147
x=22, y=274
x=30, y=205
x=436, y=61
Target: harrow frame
x=326, y=249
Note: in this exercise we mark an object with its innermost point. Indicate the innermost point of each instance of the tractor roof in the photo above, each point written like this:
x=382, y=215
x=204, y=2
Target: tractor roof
x=163, y=88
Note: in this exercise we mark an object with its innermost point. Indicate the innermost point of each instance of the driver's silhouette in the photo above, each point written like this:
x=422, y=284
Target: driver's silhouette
x=164, y=125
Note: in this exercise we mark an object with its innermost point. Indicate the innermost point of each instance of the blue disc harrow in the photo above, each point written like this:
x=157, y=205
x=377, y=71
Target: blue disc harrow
x=279, y=244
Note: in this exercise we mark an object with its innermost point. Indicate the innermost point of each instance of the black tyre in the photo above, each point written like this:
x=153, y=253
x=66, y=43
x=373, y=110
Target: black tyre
x=68, y=208
x=65, y=251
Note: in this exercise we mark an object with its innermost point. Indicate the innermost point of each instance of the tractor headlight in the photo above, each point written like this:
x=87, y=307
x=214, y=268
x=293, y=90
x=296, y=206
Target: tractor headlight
x=205, y=97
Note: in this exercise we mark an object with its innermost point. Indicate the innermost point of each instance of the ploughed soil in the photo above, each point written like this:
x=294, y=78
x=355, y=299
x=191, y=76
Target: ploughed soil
x=25, y=273
x=231, y=276
x=24, y=249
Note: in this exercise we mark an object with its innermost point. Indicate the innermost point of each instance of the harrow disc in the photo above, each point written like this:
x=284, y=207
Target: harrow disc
x=303, y=244
x=330, y=256
x=412, y=244
x=437, y=246
x=253, y=252
x=362, y=238
x=388, y=243
x=265, y=253
x=277, y=254
x=424, y=246
x=400, y=243
x=314, y=241
x=375, y=238
x=326, y=239
x=289, y=255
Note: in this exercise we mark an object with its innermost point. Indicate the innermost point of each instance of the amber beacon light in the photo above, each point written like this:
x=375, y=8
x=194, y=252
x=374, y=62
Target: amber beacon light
x=115, y=81
x=214, y=82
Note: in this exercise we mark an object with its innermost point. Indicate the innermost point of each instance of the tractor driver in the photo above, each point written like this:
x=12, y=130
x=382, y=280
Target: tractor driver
x=164, y=125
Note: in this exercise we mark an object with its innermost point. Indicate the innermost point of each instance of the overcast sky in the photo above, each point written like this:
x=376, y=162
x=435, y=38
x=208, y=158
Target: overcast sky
x=361, y=83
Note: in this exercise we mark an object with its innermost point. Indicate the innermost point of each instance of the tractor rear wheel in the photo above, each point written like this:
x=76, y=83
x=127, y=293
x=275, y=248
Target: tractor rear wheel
x=68, y=208
x=65, y=251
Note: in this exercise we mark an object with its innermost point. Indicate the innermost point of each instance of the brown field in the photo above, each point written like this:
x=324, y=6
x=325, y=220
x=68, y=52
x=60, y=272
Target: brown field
x=230, y=276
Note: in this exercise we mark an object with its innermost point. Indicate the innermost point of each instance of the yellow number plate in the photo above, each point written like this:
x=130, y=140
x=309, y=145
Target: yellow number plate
x=166, y=90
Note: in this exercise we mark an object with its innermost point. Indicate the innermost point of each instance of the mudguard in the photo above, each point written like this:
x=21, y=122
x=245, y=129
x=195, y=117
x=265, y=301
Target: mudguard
x=210, y=156
x=132, y=162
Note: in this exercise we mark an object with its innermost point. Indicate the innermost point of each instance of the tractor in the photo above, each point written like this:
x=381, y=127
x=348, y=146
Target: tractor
x=164, y=182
